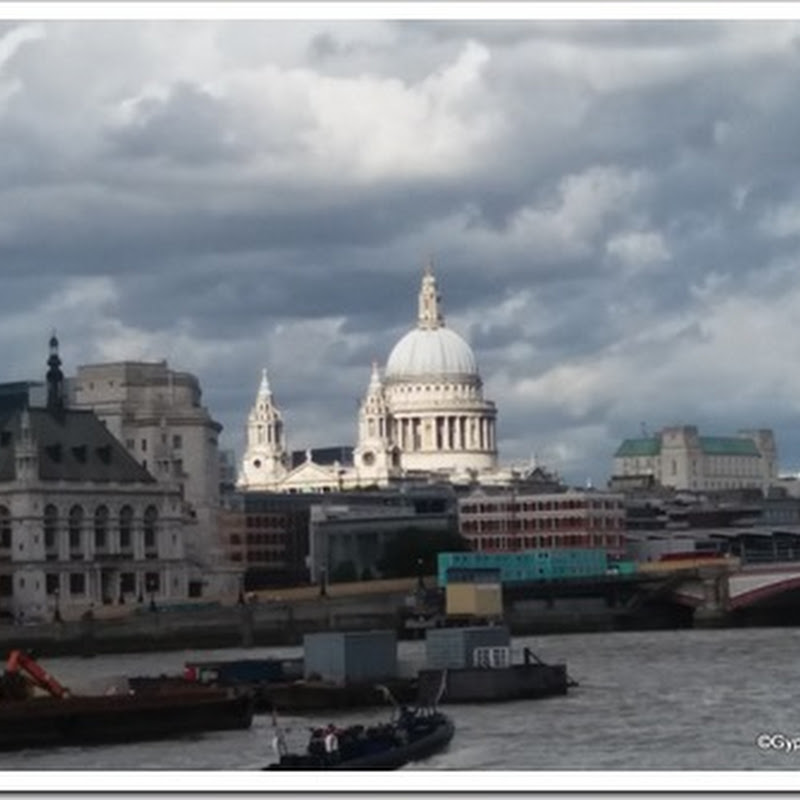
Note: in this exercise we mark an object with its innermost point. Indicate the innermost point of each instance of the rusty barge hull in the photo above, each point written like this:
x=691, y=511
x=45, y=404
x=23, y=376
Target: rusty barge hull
x=105, y=719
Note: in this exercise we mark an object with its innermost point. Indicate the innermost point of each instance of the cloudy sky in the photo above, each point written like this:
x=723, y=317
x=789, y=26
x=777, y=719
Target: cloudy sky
x=613, y=208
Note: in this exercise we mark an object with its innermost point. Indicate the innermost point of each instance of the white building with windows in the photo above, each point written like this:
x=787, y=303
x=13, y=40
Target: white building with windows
x=424, y=417
x=157, y=414
x=82, y=524
x=680, y=458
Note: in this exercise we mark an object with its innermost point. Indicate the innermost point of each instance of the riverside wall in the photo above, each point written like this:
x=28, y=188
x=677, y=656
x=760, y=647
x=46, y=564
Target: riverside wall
x=246, y=625
x=284, y=622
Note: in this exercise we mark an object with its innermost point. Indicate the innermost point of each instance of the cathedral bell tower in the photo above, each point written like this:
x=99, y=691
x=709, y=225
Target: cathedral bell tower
x=265, y=460
x=373, y=454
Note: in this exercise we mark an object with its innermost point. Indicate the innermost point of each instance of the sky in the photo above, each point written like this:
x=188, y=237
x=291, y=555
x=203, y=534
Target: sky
x=612, y=208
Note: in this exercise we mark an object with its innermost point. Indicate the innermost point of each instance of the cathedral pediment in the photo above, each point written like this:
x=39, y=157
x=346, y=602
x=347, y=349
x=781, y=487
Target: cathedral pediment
x=309, y=473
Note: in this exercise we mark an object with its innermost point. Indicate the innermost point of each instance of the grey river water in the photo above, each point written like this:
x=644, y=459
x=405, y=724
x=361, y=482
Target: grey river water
x=665, y=700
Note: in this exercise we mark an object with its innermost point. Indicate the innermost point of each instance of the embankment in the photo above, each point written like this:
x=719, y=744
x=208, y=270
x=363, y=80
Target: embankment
x=283, y=619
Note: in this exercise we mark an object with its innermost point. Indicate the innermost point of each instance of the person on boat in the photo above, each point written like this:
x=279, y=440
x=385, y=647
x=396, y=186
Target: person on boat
x=316, y=745
x=331, y=740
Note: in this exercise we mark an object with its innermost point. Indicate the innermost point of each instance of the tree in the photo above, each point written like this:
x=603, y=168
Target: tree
x=414, y=550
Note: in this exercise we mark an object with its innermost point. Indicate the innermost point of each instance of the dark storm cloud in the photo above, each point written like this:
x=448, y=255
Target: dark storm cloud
x=610, y=207
x=143, y=232
x=188, y=126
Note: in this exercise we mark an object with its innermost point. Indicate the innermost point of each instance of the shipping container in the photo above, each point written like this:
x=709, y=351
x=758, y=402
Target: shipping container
x=350, y=656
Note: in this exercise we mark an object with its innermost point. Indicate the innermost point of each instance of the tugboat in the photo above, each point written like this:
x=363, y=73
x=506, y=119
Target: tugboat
x=410, y=735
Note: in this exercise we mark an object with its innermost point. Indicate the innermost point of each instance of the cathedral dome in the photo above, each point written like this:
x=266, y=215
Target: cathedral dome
x=431, y=353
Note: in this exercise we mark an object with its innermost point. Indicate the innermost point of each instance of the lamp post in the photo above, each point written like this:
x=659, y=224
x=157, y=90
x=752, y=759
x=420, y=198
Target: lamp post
x=240, y=599
x=323, y=582
x=420, y=580
x=57, y=611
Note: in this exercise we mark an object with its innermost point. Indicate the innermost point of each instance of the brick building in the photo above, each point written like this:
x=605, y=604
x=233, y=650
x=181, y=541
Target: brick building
x=509, y=521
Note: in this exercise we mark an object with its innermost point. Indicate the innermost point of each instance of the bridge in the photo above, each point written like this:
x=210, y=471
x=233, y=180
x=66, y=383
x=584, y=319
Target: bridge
x=707, y=590
x=717, y=591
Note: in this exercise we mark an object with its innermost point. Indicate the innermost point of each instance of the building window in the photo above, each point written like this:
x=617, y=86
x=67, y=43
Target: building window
x=75, y=527
x=177, y=441
x=5, y=528
x=50, y=527
x=6, y=586
x=150, y=525
x=127, y=583
x=144, y=445
x=152, y=582
x=51, y=583
x=101, y=527
x=77, y=583
x=125, y=527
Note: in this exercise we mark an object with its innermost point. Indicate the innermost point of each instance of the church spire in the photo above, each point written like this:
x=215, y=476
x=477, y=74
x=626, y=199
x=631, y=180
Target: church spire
x=55, y=378
x=263, y=389
x=375, y=378
x=430, y=316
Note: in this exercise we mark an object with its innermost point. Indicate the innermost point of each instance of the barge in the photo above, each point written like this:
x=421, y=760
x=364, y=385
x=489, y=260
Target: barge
x=342, y=670
x=61, y=718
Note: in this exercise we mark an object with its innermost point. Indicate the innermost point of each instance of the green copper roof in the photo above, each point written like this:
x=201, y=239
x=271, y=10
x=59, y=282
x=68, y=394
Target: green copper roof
x=710, y=446
x=639, y=447
x=728, y=446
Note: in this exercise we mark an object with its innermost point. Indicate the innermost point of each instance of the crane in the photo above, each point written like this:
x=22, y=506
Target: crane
x=20, y=663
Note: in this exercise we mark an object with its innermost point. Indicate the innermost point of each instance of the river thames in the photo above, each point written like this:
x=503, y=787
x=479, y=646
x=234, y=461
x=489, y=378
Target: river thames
x=710, y=700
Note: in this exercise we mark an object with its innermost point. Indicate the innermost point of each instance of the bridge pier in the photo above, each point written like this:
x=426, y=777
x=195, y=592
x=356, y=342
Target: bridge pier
x=710, y=617
x=714, y=610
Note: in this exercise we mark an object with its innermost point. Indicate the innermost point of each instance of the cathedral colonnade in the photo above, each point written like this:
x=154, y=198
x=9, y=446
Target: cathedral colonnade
x=445, y=432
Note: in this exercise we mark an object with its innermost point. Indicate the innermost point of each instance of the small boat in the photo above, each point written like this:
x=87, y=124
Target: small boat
x=410, y=735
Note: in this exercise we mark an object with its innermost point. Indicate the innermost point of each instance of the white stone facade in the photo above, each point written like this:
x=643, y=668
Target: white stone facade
x=82, y=525
x=157, y=414
x=679, y=457
x=425, y=417
x=265, y=462
x=83, y=547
